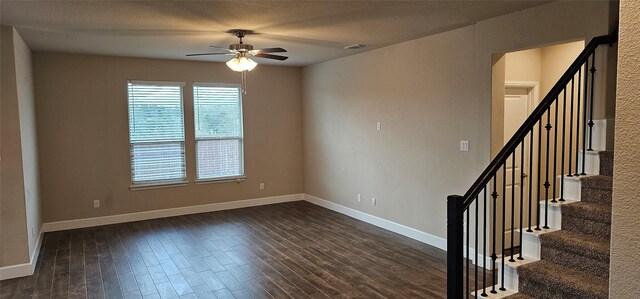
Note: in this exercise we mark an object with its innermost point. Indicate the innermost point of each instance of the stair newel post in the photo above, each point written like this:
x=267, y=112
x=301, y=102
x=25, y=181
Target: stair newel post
x=455, y=243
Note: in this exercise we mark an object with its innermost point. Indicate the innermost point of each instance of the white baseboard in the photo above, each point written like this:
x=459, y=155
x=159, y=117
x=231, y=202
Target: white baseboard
x=154, y=214
x=379, y=222
x=25, y=269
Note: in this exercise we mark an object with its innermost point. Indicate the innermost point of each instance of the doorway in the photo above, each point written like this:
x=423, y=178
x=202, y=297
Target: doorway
x=520, y=98
x=520, y=80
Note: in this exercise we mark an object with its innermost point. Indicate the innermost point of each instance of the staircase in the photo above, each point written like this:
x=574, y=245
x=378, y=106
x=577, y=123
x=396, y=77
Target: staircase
x=550, y=236
x=574, y=261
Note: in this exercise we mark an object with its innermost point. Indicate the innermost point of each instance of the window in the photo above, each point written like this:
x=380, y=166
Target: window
x=218, y=127
x=156, y=132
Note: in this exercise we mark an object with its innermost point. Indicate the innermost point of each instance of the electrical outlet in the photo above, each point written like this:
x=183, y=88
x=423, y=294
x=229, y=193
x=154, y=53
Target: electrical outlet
x=96, y=203
x=261, y=186
x=359, y=198
x=464, y=145
x=373, y=201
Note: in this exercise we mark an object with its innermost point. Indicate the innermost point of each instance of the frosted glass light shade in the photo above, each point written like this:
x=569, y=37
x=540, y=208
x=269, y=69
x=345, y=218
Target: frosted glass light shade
x=241, y=64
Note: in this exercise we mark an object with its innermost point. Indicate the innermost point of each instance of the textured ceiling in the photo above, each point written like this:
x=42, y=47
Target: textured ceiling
x=312, y=31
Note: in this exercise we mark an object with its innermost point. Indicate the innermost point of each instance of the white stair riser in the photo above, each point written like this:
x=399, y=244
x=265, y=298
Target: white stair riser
x=510, y=277
x=591, y=162
x=601, y=128
x=531, y=246
x=554, y=217
x=572, y=188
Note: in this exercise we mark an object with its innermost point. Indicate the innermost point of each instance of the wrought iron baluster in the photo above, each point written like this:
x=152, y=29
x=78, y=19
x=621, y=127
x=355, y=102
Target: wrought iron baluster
x=564, y=123
x=555, y=153
x=593, y=74
x=539, y=173
x=504, y=208
x=494, y=256
x=578, y=101
x=546, y=183
x=586, y=107
x=521, y=199
x=571, y=111
x=484, y=244
x=468, y=257
x=475, y=290
x=530, y=179
x=513, y=199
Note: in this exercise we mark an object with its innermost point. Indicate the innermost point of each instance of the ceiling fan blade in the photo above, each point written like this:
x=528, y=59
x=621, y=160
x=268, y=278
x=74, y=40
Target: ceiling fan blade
x=270, y=50
x=222, y=48
x=203, y=54
x=271, y=56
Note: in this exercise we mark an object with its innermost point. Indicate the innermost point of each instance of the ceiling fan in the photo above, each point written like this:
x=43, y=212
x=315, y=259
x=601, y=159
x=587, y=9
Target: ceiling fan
x=242, y=53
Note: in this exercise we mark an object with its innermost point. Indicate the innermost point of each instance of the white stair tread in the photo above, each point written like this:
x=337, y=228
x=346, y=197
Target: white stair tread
x=558, y=203
x=500, y=294
x=592, y=152
x=537, y=233
x=575, y=177
x=517, y=263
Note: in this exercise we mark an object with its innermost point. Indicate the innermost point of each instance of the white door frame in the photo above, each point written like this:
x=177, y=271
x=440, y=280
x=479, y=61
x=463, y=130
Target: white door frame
x=533, y=99
x=534, y=94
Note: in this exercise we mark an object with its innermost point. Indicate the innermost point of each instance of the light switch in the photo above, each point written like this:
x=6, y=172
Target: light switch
x=378, y=126
x=464, y=145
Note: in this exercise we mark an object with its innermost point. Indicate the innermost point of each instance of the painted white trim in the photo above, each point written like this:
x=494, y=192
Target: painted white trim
x=24, y=269
x=534, y=94
x=15, y=271
x=379, y=222
x=603, y=134
x=157, y=83
x=146, y=215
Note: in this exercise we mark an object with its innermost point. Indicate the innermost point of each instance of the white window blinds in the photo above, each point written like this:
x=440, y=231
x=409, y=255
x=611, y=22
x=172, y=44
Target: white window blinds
x=156, y=132
x=218, y=127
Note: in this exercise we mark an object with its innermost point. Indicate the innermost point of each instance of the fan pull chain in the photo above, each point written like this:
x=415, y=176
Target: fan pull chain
x=244, y=83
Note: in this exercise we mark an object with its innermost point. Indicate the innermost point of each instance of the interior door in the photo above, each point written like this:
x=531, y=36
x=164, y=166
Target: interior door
x=516, y=110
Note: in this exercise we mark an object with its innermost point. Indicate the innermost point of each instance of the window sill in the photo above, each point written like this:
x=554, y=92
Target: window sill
x=236, y=179
x=158, y=185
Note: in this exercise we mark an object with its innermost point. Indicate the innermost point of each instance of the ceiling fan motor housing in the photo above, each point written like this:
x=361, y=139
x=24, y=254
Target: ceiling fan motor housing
x=241, y=47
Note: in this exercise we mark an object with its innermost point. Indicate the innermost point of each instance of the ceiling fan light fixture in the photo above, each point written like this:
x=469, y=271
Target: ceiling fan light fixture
x=241, y=64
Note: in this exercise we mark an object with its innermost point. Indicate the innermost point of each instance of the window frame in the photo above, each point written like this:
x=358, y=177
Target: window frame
x=239, y=138
x=152, y=184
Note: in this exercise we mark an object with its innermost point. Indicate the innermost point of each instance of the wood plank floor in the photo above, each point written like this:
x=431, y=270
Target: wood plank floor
x=289, y=250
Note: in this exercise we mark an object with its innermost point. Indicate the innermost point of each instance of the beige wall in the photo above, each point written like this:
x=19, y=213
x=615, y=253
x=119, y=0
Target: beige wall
x=555, y=60
x=544, y=65
x=19, y=186
x=442, y=94
x=526, y=29
x=83, y=134
x=524, y=65
x=625, y=240
x=425, y=104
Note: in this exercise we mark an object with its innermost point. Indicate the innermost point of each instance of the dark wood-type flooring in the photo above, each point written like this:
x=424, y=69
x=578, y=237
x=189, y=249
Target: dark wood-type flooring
x=285, y=250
